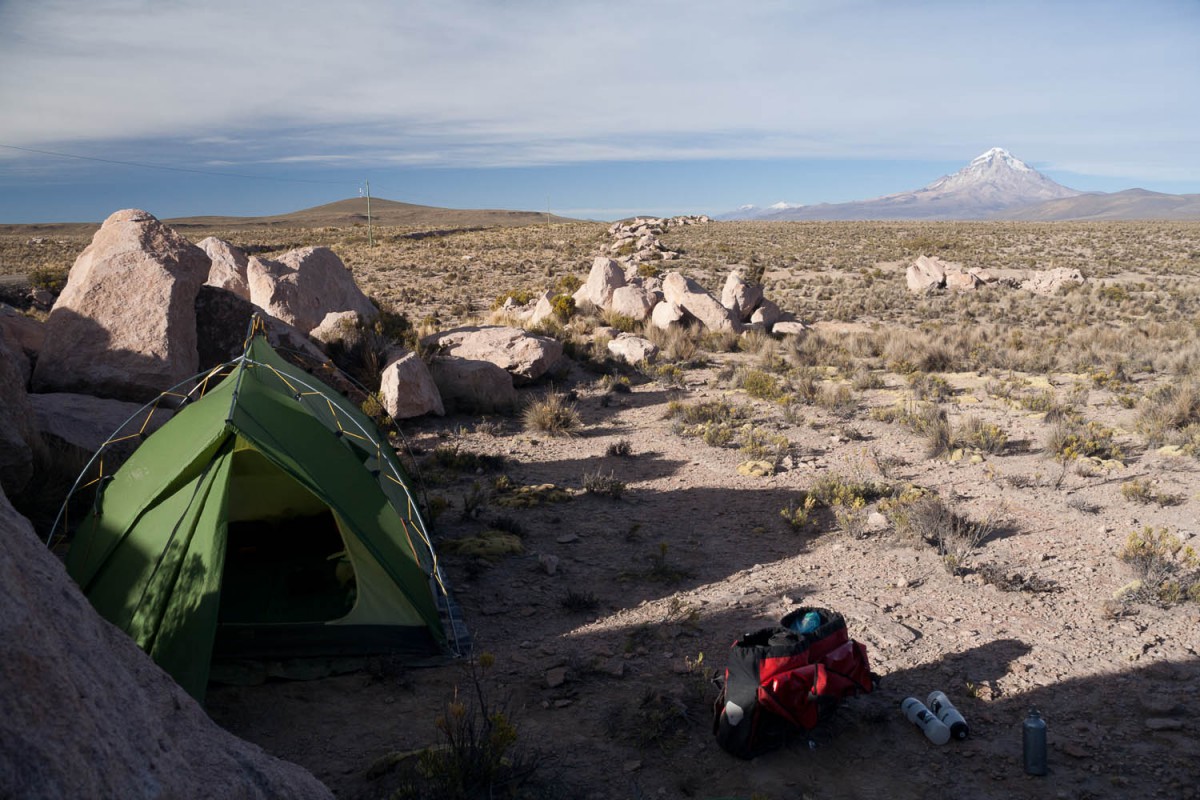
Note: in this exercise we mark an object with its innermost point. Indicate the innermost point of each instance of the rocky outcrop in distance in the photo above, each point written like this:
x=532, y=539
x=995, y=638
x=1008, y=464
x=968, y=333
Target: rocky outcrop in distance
x=929, y=274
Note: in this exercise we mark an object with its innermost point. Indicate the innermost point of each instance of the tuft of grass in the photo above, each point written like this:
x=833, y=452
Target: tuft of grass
x=1165, y=570
x=606, y=485
x=1168, y=411
x=580, y=602
x=1143, y=491
x=927, y=518
x=799, y=515
x=622, y=448
x=479, y=754
x=553, y=414
x=980, y=435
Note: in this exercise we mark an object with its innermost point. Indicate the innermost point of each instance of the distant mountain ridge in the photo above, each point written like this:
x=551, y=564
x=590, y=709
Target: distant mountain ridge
x=353, y=211
x=995, y=185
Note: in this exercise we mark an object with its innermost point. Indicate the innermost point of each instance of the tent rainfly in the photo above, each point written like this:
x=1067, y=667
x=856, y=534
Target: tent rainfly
x=269, y=518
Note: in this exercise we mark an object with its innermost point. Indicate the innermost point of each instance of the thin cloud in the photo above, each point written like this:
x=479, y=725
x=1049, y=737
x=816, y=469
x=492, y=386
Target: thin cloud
x=472, y=83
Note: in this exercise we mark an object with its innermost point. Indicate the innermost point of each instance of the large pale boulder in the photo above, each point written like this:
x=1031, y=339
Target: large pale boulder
x=338, y=326
x=523, y=355
x=85, y=713
x=228, y=270
x=84, y=423
x=740, y=297
x=223, y=320
x=925, y=274
x=691, y=297
x=605, y=277
x=301, y=286
x=408, y=389
x=18, y=433
x=633, y=349
x=633, y=302
x=471, y=385
x=543, y=309
x=789, y=328
x=767, y=314
x=666, y=314
x=125, y=323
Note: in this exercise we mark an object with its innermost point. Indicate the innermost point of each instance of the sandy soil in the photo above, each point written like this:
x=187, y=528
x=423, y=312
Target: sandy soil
x=1119, y=685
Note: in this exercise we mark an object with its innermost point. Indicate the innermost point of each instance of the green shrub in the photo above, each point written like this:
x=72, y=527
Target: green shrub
x=50, y=279
x=519, y=297
x=1071, y=439
x=563, y=306
x=761, y=385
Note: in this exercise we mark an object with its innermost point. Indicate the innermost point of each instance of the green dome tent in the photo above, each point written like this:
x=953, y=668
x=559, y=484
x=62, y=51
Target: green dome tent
x=269, y=518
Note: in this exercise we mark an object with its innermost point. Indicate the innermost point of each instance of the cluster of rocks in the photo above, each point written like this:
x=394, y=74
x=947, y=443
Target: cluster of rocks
x=636, y=240
x=144, y=310
x=673, y=300
x=930, y=273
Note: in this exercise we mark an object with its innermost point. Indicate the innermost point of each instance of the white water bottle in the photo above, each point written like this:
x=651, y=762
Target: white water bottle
x=934, y=729
x=941, y=706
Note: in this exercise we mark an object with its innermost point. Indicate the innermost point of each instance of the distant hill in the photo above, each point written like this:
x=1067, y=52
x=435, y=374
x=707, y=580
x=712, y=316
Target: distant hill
x=1129, y=204
x=995, y=185
x=352, y=211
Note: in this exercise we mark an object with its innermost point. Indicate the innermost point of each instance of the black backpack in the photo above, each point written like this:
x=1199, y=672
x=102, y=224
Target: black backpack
x=779, y=681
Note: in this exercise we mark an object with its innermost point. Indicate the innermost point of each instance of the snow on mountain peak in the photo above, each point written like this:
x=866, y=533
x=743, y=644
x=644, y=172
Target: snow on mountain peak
x=999, y=154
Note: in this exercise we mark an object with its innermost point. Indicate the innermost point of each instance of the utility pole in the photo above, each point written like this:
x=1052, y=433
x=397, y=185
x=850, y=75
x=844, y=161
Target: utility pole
x=370, y=230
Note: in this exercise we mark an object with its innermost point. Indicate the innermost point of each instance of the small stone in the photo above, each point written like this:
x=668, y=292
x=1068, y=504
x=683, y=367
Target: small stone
x=548, y=563
x=1162, y=724
x=633, y=766
x=567, y=538
x=556, y=677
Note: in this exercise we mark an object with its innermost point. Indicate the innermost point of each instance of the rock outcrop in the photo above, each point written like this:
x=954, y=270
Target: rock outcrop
x=85, y=713
x=633, y=349
x=605, y=277
x=84, y=423
x=24, y=337
x=1051, y=280
x=472, y=385
x=633, y=302
x=691, y=297
x=228, y=270
x=740, y=297
x=408, y=389
x=524, y=356
x=19, y=438
x=925, y=274
x=125, y=323
x=301, y=286
x=223, y=320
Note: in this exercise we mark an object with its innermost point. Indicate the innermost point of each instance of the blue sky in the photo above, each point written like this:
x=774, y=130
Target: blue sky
x=593, y=109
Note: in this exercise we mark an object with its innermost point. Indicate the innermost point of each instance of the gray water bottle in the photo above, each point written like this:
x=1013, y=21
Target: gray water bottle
x=1033, y=735
x=941, y=706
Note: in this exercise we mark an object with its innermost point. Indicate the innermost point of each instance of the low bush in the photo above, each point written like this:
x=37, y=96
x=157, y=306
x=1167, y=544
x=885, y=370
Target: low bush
x=1165, y=570
x=552, y=414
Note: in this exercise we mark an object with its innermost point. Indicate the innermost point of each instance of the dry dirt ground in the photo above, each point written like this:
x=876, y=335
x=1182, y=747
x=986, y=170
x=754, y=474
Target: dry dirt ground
x=1119, y=687
x=604, y=663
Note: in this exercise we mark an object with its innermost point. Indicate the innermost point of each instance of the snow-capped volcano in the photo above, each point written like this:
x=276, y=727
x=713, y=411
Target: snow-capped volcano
x=1002, y=179
x=993, y=182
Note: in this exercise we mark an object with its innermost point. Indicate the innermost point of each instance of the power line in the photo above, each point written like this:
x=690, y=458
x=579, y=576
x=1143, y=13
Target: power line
x=168, y=168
